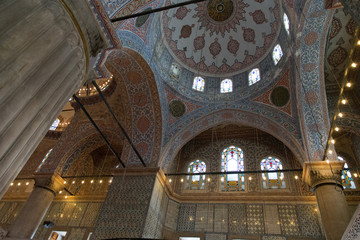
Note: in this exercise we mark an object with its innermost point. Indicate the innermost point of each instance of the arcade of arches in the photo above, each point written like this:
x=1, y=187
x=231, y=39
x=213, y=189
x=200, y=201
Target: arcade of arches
x=245, y=113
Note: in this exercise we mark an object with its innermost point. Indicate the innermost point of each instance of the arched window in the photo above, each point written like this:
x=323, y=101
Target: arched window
x=254, y=76
x=275, y=179
x=44, y=159
x=199, y=84
x=55, y=124
x=346, y=177
x=196, y=181
x=175, y=70
x=286, y=23
x=277, y=54
x=226, y=86
x=232, y=160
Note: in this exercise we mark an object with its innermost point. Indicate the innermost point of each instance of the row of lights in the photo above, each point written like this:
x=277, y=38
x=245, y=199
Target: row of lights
x=19, y=184
x=342, y=101
x=222, y=179
x=91, y=181
x=101, y=86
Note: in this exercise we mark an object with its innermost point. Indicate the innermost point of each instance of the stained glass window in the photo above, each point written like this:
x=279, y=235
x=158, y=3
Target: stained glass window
x=196, y=181
x=232, y=160
x=275, y=179
x=226, y=86
x=254, y=76
x=346, y=177
x=286, y=23
x=44, y=159
x=174, y=70
x=55, y=124
x=277, y=54
x=199, y=84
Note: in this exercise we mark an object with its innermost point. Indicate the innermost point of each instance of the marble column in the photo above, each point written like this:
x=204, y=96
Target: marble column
x=31, y=215
x=44, y=58
x=325, y=180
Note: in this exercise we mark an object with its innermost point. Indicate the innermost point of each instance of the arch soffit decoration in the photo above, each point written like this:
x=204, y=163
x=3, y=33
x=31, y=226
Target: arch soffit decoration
x=237, y=117
x=310, y=85
x=137, y=81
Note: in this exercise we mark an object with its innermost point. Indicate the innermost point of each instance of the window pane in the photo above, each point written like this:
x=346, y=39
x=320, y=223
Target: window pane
x=286, y=23
x=54, y=125
x=226, y=86
x=277, y=54
x=232, y=160
x=199, y=84
x=254, y=76
x=196, y=181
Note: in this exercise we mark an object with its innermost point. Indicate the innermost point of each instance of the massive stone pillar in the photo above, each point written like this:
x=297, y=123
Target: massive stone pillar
x=325, y=180
x=45, y=47
x=36, y=206
x=135, y=206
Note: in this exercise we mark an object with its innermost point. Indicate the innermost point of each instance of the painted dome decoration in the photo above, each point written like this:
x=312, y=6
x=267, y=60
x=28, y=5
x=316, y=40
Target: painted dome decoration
x=220, y=37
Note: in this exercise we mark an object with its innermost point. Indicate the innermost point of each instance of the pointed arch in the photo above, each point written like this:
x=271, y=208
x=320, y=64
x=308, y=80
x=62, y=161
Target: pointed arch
x=232, y=160
x=272, y=179
x=196, y=182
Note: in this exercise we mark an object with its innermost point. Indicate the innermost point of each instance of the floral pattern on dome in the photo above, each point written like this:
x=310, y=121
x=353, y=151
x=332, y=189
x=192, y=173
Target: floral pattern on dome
x=224, y=37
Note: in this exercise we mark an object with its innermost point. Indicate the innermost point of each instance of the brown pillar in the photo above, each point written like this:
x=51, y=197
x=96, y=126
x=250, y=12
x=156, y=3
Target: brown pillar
x=36, y=206
x=325, y=180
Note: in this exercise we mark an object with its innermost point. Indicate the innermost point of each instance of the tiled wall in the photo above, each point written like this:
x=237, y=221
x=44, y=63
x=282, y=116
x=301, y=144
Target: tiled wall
x=77, y=218
x=270, y=221
x=8, y=212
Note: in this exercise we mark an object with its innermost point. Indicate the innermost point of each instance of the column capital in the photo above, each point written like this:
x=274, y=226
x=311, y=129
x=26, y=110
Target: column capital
x=49, y=181
x=322, y=172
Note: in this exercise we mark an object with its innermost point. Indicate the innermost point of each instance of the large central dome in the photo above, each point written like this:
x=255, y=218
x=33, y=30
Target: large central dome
x=221, y=37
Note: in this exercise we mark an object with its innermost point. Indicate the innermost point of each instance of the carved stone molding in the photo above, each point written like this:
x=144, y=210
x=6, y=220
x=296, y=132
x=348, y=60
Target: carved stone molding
x=50, y=182
x=321, y=172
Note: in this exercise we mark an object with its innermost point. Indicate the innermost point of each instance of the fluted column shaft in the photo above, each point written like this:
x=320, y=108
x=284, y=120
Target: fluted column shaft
x=43, y=61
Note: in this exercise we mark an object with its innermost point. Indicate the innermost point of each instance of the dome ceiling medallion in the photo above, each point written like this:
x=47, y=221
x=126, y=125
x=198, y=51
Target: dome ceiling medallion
x=222, y=36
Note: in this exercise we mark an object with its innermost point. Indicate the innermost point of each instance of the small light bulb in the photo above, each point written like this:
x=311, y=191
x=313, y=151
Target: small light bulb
x=60, y=192
x=337, y=129
x=82, y=182
x=296, y=177
x=354, y=65
x=110, y=181
x=92, y=181
x=327, y=161
x=340, y=115
x=12, y=184
x=343, y=101
x=209, y=179
x=358, y=42
x=355, y=175
x=100, y=181
x=332, y=141
x=250, y=178
x=19, y=184
x=181, y=180
x=170, y=180
x=348, y=84
x=330, y=151
x=64, y=182
x=65, y=196
x=73, y=182
x=315, y=209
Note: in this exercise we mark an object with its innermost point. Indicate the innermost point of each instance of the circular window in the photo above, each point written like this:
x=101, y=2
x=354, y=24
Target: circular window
x=280, y=96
